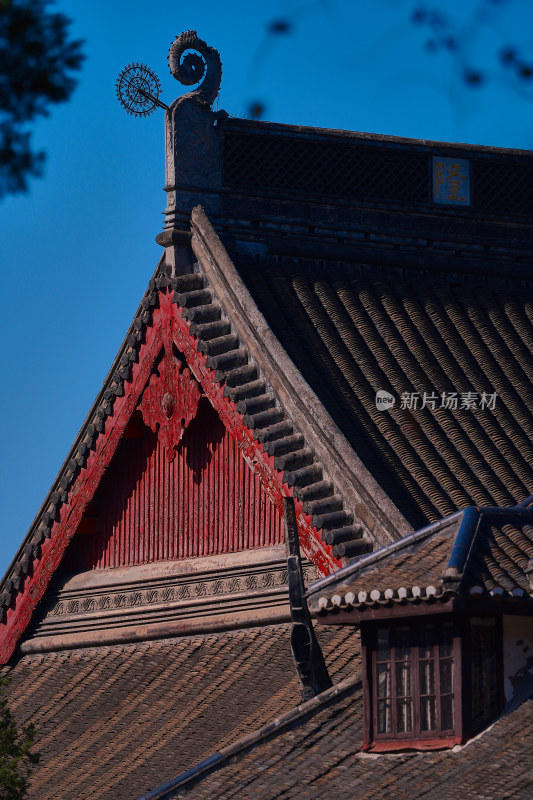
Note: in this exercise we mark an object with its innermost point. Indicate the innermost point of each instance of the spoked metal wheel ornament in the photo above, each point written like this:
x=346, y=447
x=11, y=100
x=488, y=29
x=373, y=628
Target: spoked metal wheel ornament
x=138, y=89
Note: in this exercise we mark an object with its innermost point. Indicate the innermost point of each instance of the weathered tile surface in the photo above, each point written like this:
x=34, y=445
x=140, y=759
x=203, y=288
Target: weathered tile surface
x=353, y=331
x=319, y=759
x=498, y=562
x=113, y=722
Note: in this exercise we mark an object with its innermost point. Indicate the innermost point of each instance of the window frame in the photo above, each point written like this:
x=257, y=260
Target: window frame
x=415, y=738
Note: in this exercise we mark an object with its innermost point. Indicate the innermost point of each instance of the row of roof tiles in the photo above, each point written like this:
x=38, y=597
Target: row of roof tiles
x=270, y=424
x=110, y=721
x=352, y=333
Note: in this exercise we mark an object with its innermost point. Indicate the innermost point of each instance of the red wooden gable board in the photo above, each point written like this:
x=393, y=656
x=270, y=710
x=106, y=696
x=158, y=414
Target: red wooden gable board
x=167, y=394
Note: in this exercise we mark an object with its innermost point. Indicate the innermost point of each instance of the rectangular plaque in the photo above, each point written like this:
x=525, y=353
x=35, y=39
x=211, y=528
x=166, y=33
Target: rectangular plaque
x=451, y=181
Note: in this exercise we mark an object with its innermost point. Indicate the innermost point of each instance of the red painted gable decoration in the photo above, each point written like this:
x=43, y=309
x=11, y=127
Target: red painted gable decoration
x=168, y=402
x=204, y=501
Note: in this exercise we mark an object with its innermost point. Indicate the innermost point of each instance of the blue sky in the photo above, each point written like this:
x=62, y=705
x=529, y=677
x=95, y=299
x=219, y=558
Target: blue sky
x=77, y=252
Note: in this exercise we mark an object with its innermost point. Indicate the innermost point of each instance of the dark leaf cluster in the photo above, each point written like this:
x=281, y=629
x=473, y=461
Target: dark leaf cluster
x=513, y=60
x=444, y=35
x=256, y=109
x=37, y=66
x=278, y=27
x=17, y=758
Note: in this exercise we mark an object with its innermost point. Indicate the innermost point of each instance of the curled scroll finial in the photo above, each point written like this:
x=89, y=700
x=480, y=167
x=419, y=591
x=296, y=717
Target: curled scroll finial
x=192, y=67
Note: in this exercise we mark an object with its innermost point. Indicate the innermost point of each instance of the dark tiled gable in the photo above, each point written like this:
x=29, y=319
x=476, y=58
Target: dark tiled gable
x=112, y=722
x=319, y=758
x=353, y=331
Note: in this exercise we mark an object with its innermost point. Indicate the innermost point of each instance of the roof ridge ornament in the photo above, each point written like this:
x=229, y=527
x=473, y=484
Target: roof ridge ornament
x=193, y=159
x=189, y=68
x=138, y=89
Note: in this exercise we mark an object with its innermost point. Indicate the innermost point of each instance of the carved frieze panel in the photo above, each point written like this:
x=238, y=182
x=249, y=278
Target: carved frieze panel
x=171, y=598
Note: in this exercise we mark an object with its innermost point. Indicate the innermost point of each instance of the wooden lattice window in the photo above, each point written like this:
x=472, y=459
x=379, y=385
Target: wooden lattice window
x=414, y=684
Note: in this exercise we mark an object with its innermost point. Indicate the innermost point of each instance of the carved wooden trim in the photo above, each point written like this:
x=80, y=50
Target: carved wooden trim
x=252, y=451
x=161, y=593
x=174, y=600
x=71, y=512
x=170, y=401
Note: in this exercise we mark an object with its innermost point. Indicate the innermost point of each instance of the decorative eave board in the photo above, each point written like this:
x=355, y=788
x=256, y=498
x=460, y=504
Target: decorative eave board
x=162, y=323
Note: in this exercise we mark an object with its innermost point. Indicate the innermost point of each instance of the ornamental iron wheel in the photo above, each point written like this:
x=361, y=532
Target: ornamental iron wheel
x=137, y=89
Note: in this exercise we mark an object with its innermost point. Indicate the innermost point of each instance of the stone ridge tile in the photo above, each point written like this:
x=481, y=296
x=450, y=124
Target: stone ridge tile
x=319, y=759
x=352, y=331
x=113, y=722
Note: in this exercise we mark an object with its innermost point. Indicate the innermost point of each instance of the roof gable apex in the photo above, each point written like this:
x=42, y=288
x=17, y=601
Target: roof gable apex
x=359, y=489
x=176, y=312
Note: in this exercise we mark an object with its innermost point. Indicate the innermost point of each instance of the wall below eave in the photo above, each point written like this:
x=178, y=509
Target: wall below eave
x=517, y=657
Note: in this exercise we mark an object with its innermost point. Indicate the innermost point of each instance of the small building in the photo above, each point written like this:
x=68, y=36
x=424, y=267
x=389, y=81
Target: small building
x=336, y=348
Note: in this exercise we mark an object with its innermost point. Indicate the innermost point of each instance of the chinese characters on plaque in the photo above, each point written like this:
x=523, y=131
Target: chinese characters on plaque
x=451, y=181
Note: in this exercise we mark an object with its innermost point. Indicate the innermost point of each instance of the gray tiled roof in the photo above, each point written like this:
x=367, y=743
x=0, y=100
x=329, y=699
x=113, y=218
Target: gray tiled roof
x=318, y=757
x=353, y=330
x=475, y=553
x=112, y=722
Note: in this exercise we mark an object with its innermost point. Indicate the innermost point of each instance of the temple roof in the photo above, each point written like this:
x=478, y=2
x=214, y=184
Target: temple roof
x=478, y=552
x=296, y=352
x=353, y=331
x=111, y=721
x=316, y=753
x=366, y=339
